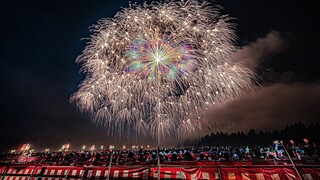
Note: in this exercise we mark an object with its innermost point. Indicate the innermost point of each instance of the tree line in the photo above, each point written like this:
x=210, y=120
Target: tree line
x=295, y=132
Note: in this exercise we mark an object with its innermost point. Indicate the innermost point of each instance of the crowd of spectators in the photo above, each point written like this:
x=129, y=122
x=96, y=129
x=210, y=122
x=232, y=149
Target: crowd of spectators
x=274, y=152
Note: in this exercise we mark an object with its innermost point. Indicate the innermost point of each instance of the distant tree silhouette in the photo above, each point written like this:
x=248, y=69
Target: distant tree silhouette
x=296, y=132
x=251, y=132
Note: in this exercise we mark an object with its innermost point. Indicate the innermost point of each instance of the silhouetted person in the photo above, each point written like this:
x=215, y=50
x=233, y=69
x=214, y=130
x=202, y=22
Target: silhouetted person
x=174, y=157
x=188, y=157
x=201, y=157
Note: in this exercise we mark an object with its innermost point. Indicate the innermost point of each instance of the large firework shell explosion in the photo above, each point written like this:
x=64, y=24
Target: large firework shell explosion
x=153, y=69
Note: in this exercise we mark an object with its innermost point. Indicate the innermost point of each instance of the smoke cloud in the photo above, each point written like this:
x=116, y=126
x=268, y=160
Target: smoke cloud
x=272, y=106
x=255, y=53
x=269, y=108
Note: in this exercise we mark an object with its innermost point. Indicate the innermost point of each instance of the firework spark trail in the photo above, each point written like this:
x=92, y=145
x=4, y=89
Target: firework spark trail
x=163, y=62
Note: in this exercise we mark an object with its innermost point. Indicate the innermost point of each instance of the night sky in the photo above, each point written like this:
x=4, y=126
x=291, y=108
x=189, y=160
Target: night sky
x=40, y=41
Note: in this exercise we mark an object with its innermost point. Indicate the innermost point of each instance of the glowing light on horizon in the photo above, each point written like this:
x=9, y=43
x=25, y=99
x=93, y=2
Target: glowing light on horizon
x=158, y=67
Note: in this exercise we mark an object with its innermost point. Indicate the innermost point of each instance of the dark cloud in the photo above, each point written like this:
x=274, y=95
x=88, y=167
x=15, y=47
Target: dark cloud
x=269, y=108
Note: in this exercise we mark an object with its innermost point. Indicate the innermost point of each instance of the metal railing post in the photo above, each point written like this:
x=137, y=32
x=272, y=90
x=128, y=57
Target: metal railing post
x=159, y=163
x=219, y=172
x=293, y=164
x=34, y=169
x=67, y=173
x=6, y=169
x=110, y=164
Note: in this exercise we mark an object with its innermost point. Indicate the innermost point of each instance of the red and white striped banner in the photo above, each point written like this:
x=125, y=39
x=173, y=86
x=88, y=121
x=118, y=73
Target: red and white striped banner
x=226, y=173
x=310, y=173
x=184, y=173
x=2, y=168
x=258, y=174
x=54, y=171
x=224, y=163
x=61, y=172
x=102, y=172
x=23, y=170
x=16, y=172
x=18, y=178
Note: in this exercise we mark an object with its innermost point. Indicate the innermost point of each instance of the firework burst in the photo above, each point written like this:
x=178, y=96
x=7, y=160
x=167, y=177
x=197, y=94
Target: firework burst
x=153, y=69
